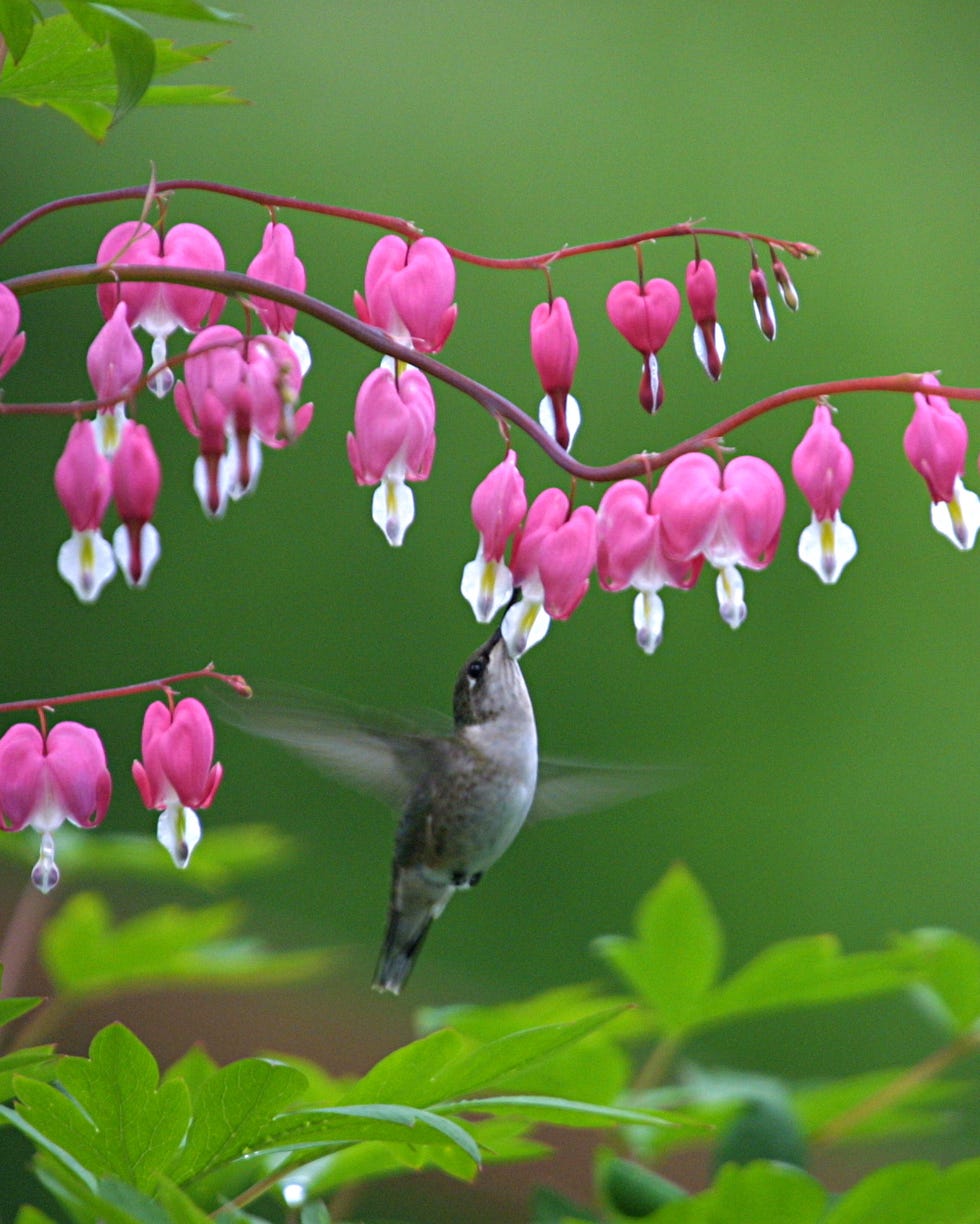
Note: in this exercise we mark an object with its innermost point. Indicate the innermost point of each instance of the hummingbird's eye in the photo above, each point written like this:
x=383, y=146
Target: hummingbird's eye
x=476, y=669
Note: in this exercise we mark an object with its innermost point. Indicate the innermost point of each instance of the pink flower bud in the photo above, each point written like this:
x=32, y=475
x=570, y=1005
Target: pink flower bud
x=11, y=341
x=498, y=505
x=82, y=478
x=702, y=297
x=765, y=316
x=277, y=263
x=177, y=748
x=823, y=465
x=408, y=292
x=645, y=316
x=787, y=290
x=136, y=482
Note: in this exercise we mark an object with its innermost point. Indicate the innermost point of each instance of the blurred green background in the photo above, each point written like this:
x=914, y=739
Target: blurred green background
x=832, y=741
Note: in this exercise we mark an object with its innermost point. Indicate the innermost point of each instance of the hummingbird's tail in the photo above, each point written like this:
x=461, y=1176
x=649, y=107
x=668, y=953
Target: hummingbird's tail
x=415, y=903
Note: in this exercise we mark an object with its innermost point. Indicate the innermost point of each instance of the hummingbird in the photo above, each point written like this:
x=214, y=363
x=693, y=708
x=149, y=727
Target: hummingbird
x=463, y=796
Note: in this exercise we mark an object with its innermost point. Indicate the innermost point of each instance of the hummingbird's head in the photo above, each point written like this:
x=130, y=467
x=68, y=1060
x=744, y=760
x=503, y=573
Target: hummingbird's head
x=490, y=685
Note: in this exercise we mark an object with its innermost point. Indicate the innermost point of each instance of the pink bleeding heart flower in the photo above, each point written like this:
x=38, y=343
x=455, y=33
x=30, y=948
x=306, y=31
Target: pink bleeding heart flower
x=732, y=516
x=408, y=292
x=115, y=366
x=630, y=553
x=136, y=479
x=393, y=442
x=278, y=264
x=12, y=341
x=83, y=482
x=822, y=467
x=48, y=778
x=935, y=445
x=553, y=555
x=161, y=307
x=176, y=775
x=645, y=315
x=554, y=350
x=702, y=297
x=498, y=505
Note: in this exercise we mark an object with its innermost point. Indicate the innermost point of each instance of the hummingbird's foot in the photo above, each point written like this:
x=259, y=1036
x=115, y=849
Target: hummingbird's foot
x=461, y=880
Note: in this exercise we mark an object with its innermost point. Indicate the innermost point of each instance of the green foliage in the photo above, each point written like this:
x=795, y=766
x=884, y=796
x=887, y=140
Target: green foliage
x=94, y=63
x=117, y=1141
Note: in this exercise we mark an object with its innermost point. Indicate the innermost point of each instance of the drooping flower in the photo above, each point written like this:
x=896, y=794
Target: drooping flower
x=823, y=466
x=787, y=290
x=765, y=316
x=393, y=442
x=630, y=553
x=408, y=292
x=176, y=775
x=732, y=516
x=136, y=479
x=46, y=779
x=553, y=555
x=115, y=365
x=935, y=444
x=702, y=297
x=83, y=482
x=278, y=263
x=159, y=307
x=498, y=505
x=554, y=350
x=11, y=340
x=645, y=316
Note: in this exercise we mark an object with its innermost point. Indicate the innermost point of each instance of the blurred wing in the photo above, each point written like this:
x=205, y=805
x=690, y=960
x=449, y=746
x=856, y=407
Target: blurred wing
x=367, y=749
x=569, y=788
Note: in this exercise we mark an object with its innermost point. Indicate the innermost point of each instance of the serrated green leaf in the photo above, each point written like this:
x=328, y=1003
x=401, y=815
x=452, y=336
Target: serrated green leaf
x=759, y=1193
x=950, y=976
x=231, y=1110
x=138, y=1207
x=676, y=955
x=16, y=25
x=194, y=1068
x=312, y=1128
x=139, y=1123
x=179, y=1207
x=405, y=1075
x=134, y=57
x=85, y=954
x=557, y=1111
x=191, y=95
x=913, y=1193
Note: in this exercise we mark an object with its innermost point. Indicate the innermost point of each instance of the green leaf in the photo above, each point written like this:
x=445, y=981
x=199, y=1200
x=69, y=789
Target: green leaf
x=138, y=1207
x=923, y=1109
x=139, y=1123
x=759, y=1193
x=48, y=1116
x=231, y=1110
x=950, y=978
x=185, y=10
x=311, y=1128
x=85, y=954
x=677, y=953
x=10, y=1009
x=550, y=1207
x=28, y=1214
x=557, y=1111
x=913, y=1193
x=194, y=1068
x=36, y=1062
x=16, y=25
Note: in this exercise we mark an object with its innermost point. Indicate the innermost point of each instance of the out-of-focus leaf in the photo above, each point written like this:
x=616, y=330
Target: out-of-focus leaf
x=950, y=979
x=10, y=1009
x=195, y=1068
x=676, y=955
x=633, y=1190
x=557, y=1111
x=184, y=10
x=231, y=1110
x=766, y=1128
x=550, y=1207
x=922, y=1110
x=190, y=95
x=16, y=25
x=224, y=856
x=759, y=1193
x=913, y=1193
x=32, y=1215
x=85, y=954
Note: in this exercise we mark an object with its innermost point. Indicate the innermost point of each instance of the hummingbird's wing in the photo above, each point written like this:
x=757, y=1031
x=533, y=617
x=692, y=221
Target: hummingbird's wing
x=570, y=788
x=369, y=750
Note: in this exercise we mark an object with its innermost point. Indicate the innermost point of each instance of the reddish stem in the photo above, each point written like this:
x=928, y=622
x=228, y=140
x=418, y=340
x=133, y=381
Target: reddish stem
x=238, y=683
x=397, y=225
